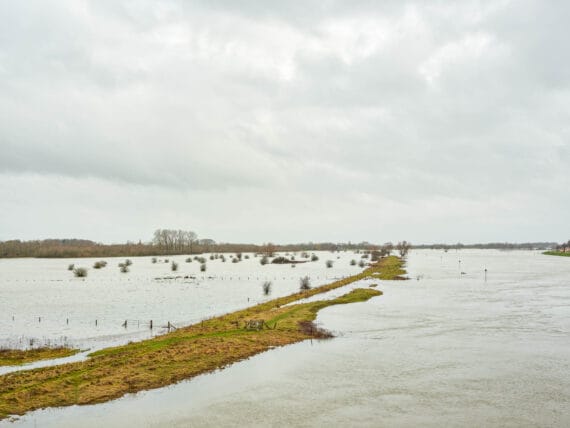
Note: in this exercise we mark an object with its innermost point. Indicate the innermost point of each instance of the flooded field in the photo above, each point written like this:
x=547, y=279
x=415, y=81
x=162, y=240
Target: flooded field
x=444, y=349
x=43, y=303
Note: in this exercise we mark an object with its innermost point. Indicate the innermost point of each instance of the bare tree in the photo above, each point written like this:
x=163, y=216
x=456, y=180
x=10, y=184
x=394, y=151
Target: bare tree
x=403, y=248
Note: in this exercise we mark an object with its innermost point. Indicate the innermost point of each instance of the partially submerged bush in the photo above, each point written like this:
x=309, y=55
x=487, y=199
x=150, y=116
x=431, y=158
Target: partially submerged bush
x=128, y=262
x=361, y=263
x=80, y=272
x=266, y=288
x=310, y=328
x=174, y=266
x=154, y=260
x=264, y=260
x=280, y=260
x=353, y=262
x=203, y=267
x=314, y=258
x=70, y=267
x=329, y=263
x=189, y=260
x=305, y=283
x=123, y=268
x=100, y=264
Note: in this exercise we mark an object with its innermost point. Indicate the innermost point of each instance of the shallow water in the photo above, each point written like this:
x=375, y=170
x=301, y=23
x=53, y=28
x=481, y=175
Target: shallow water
x=445, y=350
x=42, y=303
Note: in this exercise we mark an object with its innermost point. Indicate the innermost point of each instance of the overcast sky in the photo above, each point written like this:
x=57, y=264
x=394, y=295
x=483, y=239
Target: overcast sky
x=293, y=121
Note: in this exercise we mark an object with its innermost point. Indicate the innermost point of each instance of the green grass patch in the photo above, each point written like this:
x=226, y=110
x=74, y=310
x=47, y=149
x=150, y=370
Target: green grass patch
x=16, y=357
x=557, y=253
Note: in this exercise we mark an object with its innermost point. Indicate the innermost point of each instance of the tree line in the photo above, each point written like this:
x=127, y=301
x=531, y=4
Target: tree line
x=174, y=242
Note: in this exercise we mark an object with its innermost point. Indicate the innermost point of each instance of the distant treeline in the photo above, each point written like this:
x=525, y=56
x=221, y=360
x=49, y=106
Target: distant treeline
x=165, y=242
x=173, y=242
x=491, y=246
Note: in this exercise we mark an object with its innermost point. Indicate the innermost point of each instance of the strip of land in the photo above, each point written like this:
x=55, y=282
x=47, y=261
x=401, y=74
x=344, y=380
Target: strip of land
x=185, y=353
x=16, y=357
x=557, y=253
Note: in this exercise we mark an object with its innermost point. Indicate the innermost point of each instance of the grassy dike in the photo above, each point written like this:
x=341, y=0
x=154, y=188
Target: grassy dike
x=185, y=353
x=16, y=357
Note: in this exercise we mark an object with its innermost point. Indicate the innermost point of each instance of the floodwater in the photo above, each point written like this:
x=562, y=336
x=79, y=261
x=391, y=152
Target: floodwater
x=41, y=302
x=443, y=350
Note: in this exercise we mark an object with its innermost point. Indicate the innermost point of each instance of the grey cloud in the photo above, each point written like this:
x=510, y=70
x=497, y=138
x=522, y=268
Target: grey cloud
x=402, y=103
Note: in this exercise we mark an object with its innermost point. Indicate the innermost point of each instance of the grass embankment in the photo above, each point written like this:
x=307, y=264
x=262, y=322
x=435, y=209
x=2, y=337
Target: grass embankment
x=557, y=253
x=15, y=357
x=187, y=352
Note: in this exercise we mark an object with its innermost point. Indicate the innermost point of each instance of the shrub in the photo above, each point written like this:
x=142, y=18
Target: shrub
x=266, y=288
x=99, y=264
x=361, y=263
x=174, y=266
x=264, y=260
x=223, y=258
x=235, y=260
x=128, y=262
x=305, y=283
x=329, y=263
x=314, y=258
x=123, y=267
x=246, y=256
x=353, y=262
x=203, y=267
x=70, y=267
x=310, y=328
x=189, y=260
x=154, y=260
x=211, y=257
x=305, y=255
x=80, y=272
x=280, y=260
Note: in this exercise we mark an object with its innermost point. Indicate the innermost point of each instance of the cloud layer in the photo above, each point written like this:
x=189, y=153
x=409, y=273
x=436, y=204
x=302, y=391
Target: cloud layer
x=298, y=121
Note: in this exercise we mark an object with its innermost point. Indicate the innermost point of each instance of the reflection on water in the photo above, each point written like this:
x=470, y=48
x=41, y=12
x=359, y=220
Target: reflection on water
x=445, y=350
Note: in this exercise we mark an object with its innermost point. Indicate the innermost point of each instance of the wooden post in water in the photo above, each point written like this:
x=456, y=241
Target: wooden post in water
x=151, y=324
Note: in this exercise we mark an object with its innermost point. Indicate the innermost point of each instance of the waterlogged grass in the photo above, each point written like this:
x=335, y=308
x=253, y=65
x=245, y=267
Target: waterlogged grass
x=15, y=357
x=557, y=253
x=187, y=352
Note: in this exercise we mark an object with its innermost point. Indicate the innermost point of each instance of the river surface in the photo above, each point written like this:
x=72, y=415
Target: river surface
x=443, y=349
